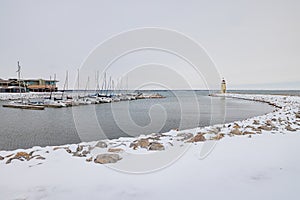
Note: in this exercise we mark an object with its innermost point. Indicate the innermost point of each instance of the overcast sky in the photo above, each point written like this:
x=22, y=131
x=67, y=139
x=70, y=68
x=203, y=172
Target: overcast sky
x=254, y=44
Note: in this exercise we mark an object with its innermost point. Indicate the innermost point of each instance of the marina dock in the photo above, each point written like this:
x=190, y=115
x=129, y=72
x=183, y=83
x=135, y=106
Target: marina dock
x=28, y=107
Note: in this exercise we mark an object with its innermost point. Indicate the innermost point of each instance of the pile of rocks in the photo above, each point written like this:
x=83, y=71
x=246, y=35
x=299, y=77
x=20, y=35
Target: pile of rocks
x=147, y=143
x=22, y=156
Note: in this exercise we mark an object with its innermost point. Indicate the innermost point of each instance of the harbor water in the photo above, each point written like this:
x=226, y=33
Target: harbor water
x=180, y=109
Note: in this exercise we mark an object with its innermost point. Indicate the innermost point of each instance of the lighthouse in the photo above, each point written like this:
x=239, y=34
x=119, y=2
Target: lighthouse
x=223, y=86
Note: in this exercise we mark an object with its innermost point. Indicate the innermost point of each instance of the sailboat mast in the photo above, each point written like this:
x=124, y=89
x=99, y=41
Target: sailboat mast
x=110, y=85
x=87, y=86
x=113, y=87
x=97, y=82
x=65, y=85
x=19, y=75
x=67, y=80
x=127, y=84
x=78, y=84
x=50, y=88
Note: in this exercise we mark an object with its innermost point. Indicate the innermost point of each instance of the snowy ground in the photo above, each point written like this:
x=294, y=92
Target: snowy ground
x=258, y=158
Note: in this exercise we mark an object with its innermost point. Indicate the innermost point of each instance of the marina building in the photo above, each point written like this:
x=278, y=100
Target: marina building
x=11, y=86
x=27, y=85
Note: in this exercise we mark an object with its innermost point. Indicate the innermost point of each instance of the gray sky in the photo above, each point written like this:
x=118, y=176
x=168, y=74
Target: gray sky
x=254, y=44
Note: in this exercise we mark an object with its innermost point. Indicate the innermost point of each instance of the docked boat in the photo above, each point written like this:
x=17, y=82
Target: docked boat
x=23, y=103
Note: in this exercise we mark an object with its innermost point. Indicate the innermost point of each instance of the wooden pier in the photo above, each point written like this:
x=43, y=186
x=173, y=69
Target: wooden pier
x=21, y=106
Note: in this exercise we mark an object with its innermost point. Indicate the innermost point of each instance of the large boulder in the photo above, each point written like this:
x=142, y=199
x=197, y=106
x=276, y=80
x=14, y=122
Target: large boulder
x=265, y=128
x=107, y=158
x=155, y=146
x=101, y=144
x=236, y=131
x=21, y=155
x=142, y=143
x=198, y=138
x=289, y=128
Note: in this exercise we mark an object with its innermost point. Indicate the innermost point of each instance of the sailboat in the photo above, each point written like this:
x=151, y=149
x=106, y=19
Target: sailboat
x=23, y=103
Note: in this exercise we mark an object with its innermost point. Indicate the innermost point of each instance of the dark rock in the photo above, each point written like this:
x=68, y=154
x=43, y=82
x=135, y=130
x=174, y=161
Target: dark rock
x=256, y=122
x=1, y=158
x=9, y=160
x=248, y=126
x=40, y=158
x=31, y=153
x=57, y=148
x=79, y=148
x=248, y=133
x=9, y=155
x=289, y=128
x=89, y=159
x=68, y=150
x=236, y=126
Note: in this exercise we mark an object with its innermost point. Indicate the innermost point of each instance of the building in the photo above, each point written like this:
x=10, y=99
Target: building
x=11, y=86
x=28, y=85
x=40, y=85
x=223, y=86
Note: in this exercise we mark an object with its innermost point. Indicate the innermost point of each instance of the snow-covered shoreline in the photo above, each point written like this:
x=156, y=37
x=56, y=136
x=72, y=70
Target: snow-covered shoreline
x=177, y=155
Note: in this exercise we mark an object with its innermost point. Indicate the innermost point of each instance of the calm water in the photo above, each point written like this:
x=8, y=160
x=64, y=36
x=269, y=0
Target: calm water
x=180, y=109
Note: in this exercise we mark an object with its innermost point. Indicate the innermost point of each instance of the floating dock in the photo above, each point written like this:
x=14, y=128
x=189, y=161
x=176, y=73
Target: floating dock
x=21, y=106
